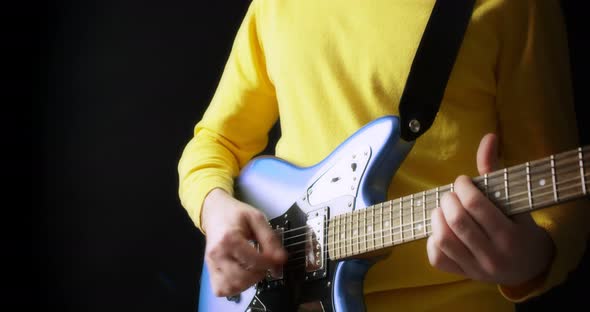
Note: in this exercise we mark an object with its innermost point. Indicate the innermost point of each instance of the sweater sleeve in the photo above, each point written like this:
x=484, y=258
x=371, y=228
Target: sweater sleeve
x=235, y=126
x=537, y=118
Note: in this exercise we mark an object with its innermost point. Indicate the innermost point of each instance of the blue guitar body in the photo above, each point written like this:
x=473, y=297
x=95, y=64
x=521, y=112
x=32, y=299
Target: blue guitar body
x=355, y=175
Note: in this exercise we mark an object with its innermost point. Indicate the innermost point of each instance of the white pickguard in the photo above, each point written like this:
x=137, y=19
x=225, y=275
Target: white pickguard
x=342, y=179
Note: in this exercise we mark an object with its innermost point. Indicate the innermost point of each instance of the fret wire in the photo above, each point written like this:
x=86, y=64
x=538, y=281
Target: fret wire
x=516, y=202
x=579, y=163
x=523, y=208
x=382, y=240
x=485, y=179
x=537, y=189
x=499, y=173
x=358, y=243
x=353, y=236
x=391, y=222
x=364, y=229
x=370, y=230
x=382, y=226
x=506, y=195
x=566, y=171
x=525, y=199
x=374, y=227
x=345, y=232
x=343, y=235
x=334, y=223
x=401, y=230
x=412, y=214
x=373, y=223
x=375, y=230
x=554, y=178
x=437, y=198
x=342, y=239
x=326, y=252
x=337, y=236
x=528, y=183
x=517, y=209
x=424, y=211
x=401, y=218
x=581, y=158
x=348, y=231
x=351, y=231
x=330, y=235
x=571, y=196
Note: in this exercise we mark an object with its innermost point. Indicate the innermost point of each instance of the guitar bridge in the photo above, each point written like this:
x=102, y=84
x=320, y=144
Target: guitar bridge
x=275, y=281
x=315, y=244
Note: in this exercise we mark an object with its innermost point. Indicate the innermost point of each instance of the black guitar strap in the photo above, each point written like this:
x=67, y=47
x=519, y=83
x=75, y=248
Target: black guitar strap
x=432, y=66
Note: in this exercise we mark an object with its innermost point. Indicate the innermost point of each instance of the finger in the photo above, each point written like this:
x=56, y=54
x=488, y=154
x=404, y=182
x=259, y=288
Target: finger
x=487, y=154
x=464, y=227
x=248, y=257
x=229, y=278
x=251, y=266
x=491, y=219
x=440, y=260
x=268, y=240
x=447, y=242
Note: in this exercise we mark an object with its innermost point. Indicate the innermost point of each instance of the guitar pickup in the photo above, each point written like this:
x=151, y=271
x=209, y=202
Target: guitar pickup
x=273, y=281
x=315, y=244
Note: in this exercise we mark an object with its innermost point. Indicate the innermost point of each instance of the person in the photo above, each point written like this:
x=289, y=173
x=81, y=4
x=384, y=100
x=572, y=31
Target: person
x=325, y=69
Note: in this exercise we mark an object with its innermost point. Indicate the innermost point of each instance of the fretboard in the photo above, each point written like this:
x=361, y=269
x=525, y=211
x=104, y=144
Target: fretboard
x=518, y=189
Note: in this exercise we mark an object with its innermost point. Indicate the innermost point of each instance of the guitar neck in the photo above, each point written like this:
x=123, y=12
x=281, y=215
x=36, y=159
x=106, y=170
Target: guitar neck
x=518, y=189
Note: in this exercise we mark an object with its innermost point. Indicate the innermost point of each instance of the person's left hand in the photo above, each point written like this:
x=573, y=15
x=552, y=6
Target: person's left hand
x=472, y=237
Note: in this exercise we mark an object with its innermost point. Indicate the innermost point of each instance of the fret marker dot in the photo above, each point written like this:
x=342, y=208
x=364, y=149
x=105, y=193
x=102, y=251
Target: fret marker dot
x=354, y=232
x=542, y=182
x=419, y=227
x=386, y=223
x=497, y=194
x=369, y=229
x=418, y=203
x=342, y=236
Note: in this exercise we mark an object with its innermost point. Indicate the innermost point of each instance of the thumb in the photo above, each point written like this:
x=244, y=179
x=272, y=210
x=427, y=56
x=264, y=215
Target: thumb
x=487, y=154
x=267, y=238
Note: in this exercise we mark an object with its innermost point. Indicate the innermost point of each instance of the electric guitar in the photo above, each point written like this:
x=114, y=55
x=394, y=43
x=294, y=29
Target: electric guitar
x=331, y=214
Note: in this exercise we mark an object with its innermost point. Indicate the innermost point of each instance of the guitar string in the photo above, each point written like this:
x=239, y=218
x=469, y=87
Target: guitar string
x=376, y=246
x=390, y=233
x=367, y=249
x=385, y=225
x=421, y=226
x=515, y=178
x=520, y=209
x=514, y=198
x=349, y=248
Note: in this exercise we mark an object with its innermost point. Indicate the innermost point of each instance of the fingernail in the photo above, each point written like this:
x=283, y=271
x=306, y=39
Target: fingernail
x=276, y=272
x=281, y=254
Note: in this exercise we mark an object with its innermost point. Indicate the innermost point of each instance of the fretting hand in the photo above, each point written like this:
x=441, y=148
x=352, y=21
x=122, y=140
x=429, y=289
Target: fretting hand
x=234, y=264
x=472, y=237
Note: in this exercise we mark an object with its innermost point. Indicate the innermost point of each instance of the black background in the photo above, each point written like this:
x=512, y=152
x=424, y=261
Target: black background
x=120, y=86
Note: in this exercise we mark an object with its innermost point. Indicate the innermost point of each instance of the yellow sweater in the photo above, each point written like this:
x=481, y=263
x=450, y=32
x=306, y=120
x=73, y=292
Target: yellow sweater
x=329, y=67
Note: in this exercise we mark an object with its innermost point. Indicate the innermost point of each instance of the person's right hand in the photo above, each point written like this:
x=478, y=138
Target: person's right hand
x=233, y=262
